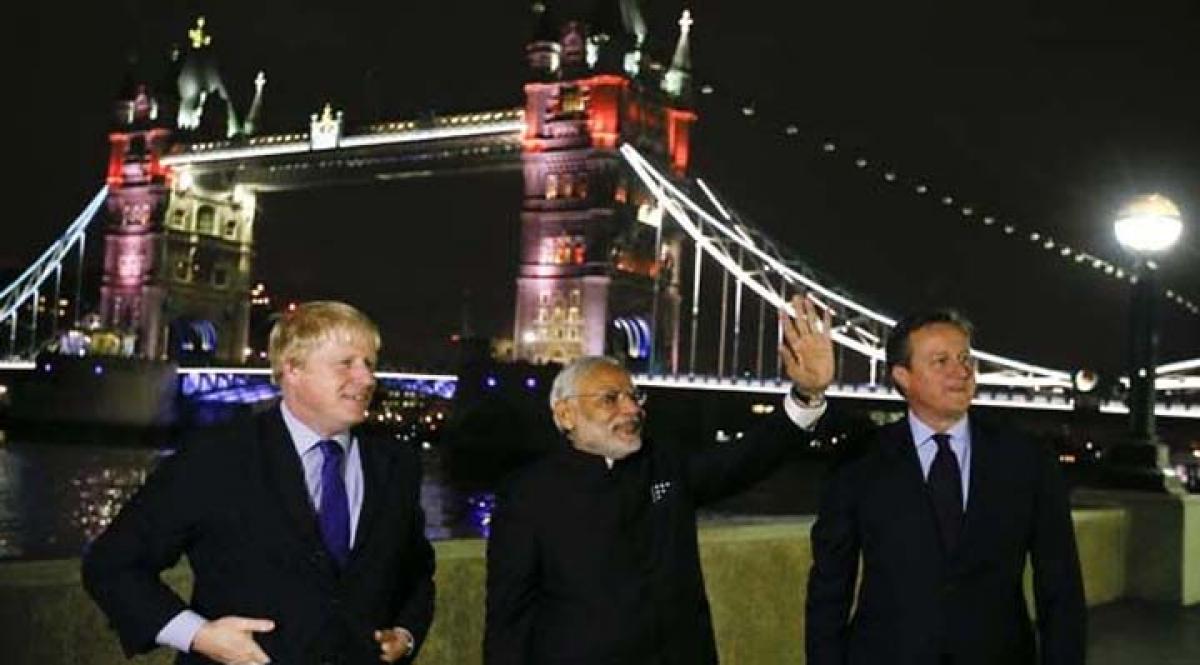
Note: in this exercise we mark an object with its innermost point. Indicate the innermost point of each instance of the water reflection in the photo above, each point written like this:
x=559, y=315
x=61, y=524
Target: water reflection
x=57, y=497
x=54, y=498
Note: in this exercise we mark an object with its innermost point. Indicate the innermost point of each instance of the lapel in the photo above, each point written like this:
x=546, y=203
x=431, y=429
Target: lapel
x=378, y=466
x=284, y=474
x=899, y=444
x=901, y=451
x=984, y=494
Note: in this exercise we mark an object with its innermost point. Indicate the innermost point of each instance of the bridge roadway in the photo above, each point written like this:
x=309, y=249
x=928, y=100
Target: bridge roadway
x=195, y=381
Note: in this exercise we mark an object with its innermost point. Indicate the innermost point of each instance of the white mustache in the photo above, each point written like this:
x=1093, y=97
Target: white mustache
x=635, y=423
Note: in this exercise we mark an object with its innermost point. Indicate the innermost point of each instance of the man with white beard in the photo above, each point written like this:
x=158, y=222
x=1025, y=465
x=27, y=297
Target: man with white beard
x=593, y=556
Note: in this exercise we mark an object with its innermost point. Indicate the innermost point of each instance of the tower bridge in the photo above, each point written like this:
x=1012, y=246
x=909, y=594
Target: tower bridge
x=620, y=247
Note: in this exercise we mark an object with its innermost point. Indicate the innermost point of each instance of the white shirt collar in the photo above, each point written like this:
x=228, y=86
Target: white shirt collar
x=922, y=433
x=303, y=436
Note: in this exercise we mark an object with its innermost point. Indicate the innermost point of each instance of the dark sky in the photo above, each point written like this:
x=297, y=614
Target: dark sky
x=1044, y=114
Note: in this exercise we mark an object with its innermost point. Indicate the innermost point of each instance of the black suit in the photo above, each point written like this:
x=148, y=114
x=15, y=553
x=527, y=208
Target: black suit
x=235, y=502
x=588, y=565
x=919, y=604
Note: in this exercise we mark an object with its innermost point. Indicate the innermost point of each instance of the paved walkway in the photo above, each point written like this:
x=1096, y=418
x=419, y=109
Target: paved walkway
x=1136, y=633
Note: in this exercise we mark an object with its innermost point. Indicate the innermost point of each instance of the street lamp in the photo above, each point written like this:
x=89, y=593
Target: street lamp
x=1147, y=226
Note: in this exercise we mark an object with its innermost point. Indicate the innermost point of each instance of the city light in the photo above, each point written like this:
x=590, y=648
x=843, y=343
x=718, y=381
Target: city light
x=1148, y=224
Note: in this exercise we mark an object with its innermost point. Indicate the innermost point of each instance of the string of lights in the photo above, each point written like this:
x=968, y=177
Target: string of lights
x=832, y=148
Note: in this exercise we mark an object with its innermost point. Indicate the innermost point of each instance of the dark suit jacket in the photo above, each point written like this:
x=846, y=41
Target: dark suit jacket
x=235, y=502
x=588, y=566
x=918, y=603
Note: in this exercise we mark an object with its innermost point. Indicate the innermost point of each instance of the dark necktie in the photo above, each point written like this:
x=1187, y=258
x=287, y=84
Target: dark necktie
x=334, y=511
x=945, y=484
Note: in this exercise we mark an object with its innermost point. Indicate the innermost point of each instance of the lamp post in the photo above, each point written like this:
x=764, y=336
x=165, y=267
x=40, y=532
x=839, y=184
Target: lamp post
x=1147, y=226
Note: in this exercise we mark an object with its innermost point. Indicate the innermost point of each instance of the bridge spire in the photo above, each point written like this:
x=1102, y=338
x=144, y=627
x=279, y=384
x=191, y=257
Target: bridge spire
x=202, y=90
x=197, y=36
x=252, y=118
x=678, y=80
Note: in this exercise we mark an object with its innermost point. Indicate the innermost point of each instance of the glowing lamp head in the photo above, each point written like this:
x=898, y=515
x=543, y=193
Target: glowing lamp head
x=1085, y=380
x=1148, y=224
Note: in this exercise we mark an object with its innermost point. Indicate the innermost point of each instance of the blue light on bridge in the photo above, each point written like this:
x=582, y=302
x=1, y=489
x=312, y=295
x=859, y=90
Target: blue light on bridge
x=480, y=507
x=491, y=382
x=248, y=386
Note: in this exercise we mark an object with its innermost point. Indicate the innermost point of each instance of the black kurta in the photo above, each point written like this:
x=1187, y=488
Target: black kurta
x=591, y=565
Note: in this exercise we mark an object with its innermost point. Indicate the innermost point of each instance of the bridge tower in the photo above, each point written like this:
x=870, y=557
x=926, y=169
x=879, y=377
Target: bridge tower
x=597, y=274
x=131, y=289
x=179, y=245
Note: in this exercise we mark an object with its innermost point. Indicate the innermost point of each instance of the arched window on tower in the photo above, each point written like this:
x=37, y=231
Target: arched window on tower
x=562, y=253
x=205, y=219
x=573, y=100
x=551, y=185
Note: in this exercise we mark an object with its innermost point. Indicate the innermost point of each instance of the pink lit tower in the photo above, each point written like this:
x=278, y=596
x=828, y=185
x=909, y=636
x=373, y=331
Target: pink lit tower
x=131, y=293
x=177, y=248
x=598, y=272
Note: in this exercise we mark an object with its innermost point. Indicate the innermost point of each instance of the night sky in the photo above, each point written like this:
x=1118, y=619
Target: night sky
x=1043, y=114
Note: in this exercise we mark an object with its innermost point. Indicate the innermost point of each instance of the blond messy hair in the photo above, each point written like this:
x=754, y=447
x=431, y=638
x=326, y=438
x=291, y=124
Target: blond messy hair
x=299, y=330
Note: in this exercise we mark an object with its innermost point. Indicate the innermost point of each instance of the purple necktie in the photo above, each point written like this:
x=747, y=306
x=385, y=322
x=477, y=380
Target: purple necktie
x=945, y=484
x=334, y=511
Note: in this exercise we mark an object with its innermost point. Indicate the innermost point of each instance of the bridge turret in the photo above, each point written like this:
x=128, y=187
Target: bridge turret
x=609, y=38
x=597, y=275
x=543, y=52
x=205, y=106
x=130, y=294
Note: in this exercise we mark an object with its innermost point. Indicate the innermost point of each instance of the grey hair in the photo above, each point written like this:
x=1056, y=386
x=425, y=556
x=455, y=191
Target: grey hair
x=564, y=384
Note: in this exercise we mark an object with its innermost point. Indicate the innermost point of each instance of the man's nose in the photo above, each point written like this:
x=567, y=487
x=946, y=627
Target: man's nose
x=364, y=372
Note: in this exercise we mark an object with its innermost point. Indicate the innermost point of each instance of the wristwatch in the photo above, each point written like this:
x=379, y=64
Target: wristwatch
x=807, y=401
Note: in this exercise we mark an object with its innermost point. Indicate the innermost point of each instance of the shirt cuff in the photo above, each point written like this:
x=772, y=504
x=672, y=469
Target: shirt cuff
x=803, y=416
x=180, y=631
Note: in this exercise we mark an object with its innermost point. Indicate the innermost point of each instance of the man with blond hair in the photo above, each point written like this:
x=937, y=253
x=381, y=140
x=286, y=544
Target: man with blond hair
x=305, y=537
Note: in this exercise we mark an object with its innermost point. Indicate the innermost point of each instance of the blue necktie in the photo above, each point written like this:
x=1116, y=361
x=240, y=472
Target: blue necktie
x=334, y=511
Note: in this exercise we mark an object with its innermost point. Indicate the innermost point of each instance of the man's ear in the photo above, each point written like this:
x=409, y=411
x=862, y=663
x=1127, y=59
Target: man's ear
x=564, y=416
x=290, y=367
x=900, y=377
